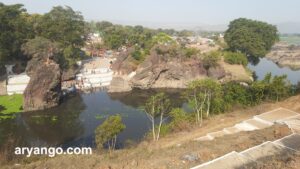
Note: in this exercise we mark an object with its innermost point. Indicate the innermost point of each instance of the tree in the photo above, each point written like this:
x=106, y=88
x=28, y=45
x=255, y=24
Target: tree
x=200, y=94
x=254, y=38
x=14, y=31
x=157, y=106
x=67, y=28
x=39, y=47
x=107, y=132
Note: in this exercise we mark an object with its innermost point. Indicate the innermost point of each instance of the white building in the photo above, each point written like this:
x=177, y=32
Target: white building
x=94, y=74
x=16, y=84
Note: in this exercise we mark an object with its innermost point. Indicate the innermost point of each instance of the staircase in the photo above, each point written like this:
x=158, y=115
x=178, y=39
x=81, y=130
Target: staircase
x=284, y=146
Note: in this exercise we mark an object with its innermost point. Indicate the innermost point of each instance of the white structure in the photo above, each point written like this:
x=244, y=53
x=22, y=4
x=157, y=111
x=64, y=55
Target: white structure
x=96, y=73
x=16, y=84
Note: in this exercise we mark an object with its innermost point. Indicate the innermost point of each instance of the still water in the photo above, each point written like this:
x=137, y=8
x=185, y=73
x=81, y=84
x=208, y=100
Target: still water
x=73, y=122
x=265, y=66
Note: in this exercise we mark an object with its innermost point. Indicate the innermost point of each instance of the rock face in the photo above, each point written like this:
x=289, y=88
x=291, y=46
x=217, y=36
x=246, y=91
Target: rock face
x=285, y=55
x=171, y=73
x=44, y=88
x=119, y=84
x=166, y=67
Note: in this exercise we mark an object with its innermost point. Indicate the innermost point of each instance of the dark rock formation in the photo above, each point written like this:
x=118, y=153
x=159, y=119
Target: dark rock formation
x=44, y=88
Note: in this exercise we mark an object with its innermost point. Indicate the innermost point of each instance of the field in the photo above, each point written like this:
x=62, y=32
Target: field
x=290, y=39
x=10, y=105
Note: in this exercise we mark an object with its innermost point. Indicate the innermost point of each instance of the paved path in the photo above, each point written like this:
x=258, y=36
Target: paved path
x=284, y=146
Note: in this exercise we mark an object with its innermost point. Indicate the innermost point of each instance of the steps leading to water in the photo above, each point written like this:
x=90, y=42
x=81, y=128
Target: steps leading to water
x=283, y=146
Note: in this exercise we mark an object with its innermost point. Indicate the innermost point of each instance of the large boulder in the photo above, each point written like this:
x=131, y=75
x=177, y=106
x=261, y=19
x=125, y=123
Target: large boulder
x=44, y=88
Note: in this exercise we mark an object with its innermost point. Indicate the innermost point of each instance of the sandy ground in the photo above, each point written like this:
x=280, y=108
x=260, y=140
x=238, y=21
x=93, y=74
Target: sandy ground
x=169, y=151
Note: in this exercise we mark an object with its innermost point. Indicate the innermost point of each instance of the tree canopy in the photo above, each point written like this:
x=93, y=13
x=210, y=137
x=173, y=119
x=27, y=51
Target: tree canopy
x=254, y=38
x=14, y=31
x=61, y=26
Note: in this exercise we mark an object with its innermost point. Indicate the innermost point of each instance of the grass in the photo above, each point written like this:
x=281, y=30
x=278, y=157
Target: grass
x=10, y=105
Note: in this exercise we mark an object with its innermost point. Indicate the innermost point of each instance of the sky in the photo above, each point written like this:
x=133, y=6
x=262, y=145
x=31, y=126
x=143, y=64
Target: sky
x=174, y=13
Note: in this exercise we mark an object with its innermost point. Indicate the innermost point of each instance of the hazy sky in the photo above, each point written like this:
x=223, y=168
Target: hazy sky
x=174, y=12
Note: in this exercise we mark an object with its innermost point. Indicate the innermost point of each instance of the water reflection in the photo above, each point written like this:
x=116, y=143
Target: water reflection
x=73, y=123
x=265, y=66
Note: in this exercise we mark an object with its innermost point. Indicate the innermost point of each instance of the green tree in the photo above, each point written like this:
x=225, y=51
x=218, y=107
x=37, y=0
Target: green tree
x=200, y=94
x=254, y=38
x=107, y=132
x=40, y=47
x=67, y=28
x=157, y=106
x=14, y=31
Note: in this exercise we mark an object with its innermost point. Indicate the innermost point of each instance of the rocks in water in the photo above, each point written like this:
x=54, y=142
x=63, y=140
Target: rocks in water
x=44, y=88
x=285, y=55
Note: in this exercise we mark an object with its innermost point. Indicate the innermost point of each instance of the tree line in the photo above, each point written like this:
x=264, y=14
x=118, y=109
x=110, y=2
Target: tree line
x=24, y=36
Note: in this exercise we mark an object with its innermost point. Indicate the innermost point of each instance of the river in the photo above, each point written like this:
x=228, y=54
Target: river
x=73, y=122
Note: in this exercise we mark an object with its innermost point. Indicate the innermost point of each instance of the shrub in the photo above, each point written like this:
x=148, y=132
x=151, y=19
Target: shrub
x=235, y=58
x=180, y=120
x=211, y=59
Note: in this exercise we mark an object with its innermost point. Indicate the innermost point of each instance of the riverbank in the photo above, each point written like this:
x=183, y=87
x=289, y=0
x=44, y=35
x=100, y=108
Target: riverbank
x=169, y=151
x=285, y=55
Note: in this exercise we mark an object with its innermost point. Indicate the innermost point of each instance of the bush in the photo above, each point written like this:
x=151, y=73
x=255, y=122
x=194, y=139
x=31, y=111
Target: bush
x=211, y=59
x=180, y=120
x=235, y=58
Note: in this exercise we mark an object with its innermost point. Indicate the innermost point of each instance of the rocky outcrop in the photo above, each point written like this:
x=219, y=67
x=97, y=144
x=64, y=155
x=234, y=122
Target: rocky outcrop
x=171, y=73
x=166, y=67
x=119, y=84
x=285, y=55
x=44, y=88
